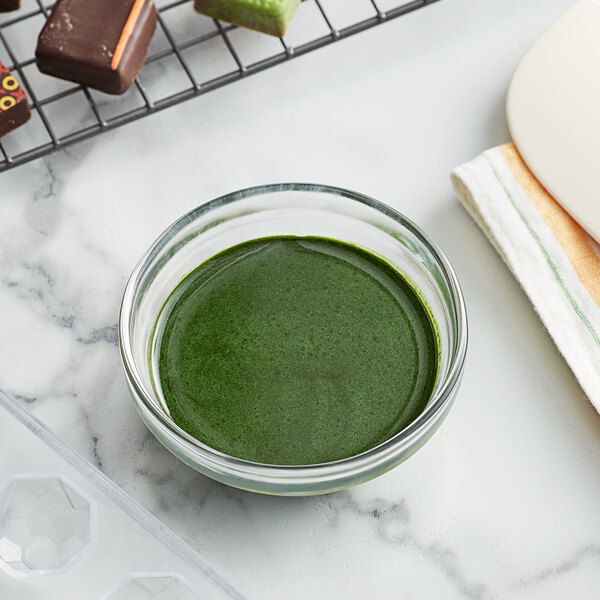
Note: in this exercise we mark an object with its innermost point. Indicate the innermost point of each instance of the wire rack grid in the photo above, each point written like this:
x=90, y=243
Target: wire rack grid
x=190, y=55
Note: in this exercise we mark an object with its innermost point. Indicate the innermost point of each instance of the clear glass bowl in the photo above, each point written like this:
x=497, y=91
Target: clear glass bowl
x=300, y=210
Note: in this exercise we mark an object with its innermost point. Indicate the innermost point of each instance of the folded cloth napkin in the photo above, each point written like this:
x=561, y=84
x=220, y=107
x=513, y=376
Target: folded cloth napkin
x=556, y=262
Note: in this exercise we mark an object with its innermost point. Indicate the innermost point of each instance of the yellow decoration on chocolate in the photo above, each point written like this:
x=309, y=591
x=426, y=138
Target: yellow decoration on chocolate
x=7, y=102
x=10, y=83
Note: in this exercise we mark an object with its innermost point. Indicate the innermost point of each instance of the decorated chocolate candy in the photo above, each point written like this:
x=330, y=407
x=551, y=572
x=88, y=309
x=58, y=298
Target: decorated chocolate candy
x=101, y=44
x=8, y=5
x=14, y=108
x=268, y=16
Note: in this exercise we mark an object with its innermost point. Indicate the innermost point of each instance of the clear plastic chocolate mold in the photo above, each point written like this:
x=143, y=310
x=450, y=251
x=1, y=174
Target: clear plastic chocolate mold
x=45, y=525
x=69, y=532
x=153, y=586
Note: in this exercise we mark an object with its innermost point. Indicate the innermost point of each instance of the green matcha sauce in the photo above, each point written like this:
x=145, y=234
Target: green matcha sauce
x=294, y=351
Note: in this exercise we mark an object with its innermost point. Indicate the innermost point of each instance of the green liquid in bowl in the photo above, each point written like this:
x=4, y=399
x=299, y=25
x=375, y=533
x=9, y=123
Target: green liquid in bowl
x=295, y=351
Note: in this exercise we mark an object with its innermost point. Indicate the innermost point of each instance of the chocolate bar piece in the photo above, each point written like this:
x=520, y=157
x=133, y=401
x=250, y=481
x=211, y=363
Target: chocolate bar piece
x=8, y=5
x=14, y=108
x=98, y=43
x=268, y=16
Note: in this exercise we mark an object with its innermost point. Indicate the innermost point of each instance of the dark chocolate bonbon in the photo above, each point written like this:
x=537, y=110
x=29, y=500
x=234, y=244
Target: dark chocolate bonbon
x=14, y=108
x=8, y=5
x=101, y=44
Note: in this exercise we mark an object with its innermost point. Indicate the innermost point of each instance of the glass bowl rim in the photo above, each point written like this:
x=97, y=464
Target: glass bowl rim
x=435, y=408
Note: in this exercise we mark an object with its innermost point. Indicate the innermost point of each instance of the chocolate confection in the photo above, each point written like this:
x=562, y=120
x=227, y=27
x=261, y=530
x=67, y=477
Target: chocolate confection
x=14, y=108
x=8, y=5
x=268, y=16
x=101, y=44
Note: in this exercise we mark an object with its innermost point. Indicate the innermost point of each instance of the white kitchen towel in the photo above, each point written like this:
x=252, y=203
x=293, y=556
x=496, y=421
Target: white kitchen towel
x=556, y=262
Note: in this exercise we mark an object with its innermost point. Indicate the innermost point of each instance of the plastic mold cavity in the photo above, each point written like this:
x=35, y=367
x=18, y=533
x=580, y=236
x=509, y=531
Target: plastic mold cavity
x=153, y=586
x=45, y=525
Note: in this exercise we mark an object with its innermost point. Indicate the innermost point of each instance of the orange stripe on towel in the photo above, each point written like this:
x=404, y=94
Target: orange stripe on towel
x=570, y=235
x=126, y=33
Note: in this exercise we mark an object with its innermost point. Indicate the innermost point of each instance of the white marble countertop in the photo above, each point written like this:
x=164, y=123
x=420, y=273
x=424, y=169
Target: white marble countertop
x=503, y=502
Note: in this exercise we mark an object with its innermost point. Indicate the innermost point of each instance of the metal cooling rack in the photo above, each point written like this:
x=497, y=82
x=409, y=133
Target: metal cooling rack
x=189, y=56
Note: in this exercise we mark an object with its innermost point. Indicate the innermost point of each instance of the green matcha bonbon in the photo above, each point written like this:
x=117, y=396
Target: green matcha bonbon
x=268, y=16
x=294, y=351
